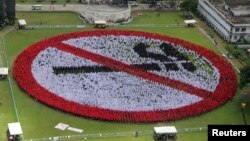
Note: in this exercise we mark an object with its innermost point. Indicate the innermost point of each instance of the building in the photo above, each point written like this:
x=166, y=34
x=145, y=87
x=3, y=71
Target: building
x=7, y=12
x=230, y=18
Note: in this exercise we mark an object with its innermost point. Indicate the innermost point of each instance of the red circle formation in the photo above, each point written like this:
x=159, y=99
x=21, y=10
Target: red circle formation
x=224, y=91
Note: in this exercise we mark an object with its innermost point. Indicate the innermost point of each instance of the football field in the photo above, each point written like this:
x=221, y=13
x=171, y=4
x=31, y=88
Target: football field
x=38, y=120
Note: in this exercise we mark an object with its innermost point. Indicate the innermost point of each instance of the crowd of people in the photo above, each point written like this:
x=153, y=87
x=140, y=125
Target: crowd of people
x=140, y=50
x=129, y=93
x=82, y=83
x=110, y=20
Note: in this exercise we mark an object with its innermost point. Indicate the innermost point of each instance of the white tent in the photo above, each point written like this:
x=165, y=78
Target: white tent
x=15, y=128
x=22, y=22
x=36, y=7
x=165, y=130
x=189, y=22
x=101, y=22
x=4, y=71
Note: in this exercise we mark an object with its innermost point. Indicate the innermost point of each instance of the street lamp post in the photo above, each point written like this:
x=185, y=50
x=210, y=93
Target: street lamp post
x=243, y=106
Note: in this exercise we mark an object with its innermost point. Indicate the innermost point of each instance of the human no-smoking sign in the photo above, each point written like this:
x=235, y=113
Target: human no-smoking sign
x=125, y=76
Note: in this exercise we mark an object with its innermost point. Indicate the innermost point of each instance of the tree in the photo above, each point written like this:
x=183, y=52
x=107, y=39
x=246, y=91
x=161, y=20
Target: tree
x=244, y=76
x=189, y=5
x=1, y=14
x=247, y=94
x=10, y=11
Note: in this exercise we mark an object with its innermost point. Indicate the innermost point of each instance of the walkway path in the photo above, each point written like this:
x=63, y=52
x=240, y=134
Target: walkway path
x=78, y=8
x=2, y=33
x=1, y=52
x=75, y=8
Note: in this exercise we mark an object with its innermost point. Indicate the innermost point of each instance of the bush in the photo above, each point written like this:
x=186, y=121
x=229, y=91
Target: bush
x=236, y=52
x=244, y=76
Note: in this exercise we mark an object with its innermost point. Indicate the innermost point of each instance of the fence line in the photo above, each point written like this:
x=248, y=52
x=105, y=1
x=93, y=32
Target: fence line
x=116, y=25
x=113, y=134
x=150, y=25
x=9, y=78
x=7, y=65
x=1, y=54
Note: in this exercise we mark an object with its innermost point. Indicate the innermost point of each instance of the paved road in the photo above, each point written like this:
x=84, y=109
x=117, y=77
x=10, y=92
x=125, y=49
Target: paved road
x=79, y=7
x=76, y=8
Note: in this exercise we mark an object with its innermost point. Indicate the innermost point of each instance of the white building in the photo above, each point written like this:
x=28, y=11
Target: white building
x=230, y=18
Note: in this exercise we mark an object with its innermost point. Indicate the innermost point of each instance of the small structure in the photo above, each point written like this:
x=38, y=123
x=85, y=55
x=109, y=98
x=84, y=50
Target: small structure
x=21, y=24
x=3, y=73
x=100, y=24
x=165, y=133
x=106, y=13
x=132, y=3
x=190, y=23
x=14, y=131
x=245, y=46
x=36, y=7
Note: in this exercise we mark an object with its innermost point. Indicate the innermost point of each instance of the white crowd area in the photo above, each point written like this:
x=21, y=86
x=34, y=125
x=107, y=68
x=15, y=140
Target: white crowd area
x=121, y=48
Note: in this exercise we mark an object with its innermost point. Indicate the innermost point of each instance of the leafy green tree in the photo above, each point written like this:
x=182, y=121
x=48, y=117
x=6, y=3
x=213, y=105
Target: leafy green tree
x=244, y=76
x=1, y=14
x=189, y=5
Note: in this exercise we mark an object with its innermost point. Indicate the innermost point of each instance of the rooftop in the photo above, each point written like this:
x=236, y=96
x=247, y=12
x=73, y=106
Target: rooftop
x=165, y=130
x=235, y=3
x=238, y=11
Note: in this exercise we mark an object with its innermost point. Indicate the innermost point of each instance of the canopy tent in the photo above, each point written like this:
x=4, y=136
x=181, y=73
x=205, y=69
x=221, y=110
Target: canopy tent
x=15, y=128
x=100, y=24
x=165, y=130
x=36, y=7
x=165, y=133
x=22, y=22
x=4, y=71
x=189, y=22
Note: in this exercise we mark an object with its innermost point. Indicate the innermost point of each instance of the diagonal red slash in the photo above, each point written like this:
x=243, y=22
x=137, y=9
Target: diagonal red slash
x=118, y=65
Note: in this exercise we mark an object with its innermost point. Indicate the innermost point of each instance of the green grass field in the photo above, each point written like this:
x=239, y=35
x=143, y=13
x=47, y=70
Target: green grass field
x=38, y=120
x=57, y=18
